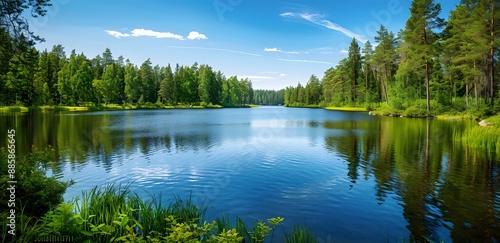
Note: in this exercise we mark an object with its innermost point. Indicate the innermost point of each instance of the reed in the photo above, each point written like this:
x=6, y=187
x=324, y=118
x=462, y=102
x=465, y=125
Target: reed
x=484, y=138
x=300, y=234
x=113, y=213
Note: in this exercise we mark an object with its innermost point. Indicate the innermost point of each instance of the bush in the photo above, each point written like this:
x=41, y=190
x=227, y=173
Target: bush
x=35, y=192
x=414, y=111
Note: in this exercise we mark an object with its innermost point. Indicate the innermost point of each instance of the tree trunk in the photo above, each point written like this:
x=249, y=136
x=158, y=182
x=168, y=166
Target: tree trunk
x=366, y=84
x=492, y=53
x=475, y=94
x=379, y=89
x=467, y=94
x=383, y=80
x=475, y=88
x=427, y=93
x=355, y=81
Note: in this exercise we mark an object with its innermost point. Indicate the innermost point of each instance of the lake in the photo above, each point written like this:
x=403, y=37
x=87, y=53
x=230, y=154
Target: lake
x=348, y=176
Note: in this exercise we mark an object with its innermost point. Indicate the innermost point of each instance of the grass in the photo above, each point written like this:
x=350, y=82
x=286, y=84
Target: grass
x=13, y=109
x=484, y=137
x=300, y=235
x=454, y=117
x=103, y=107
x=346, y=108
x=494, y=120
x=386, y=111
x=114, y=213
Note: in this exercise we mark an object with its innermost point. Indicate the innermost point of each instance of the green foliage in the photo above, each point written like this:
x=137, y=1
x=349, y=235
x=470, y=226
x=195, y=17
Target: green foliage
x=115, y=214
x=35, y=192
x=483, y=137
x=269, y=97
x=494, y=121
x=61, y=221
x=13, y=20
x=309, y=96
x=414, y=111
x=299, y=235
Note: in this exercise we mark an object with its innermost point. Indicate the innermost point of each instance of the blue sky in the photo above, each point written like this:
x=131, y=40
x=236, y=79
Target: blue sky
x=273, y=43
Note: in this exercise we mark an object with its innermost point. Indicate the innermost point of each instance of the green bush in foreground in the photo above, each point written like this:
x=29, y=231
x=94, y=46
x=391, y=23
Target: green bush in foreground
x=35, y=192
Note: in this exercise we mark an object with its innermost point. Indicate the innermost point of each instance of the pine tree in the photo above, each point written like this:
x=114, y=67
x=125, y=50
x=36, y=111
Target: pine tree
x=468, y=45
x=165, y=91
x=367, y=71
x=420, y=38
x=132, y=83
x=354, y=59
x=384, y=60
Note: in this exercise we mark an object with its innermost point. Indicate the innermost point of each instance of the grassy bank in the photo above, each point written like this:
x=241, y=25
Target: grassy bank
x=116, y=214
x=346, y=108
x=484, y=136
x=106, y=107
x=14, y=109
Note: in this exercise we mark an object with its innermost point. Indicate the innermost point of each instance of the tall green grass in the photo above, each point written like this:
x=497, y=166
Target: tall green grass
x=487, y=137
x=300, y=235
x=113, y=213
x=483, y=137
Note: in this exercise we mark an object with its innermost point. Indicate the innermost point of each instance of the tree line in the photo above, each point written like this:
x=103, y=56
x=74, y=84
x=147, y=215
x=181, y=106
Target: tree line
x=431, y=64
x=35, y=78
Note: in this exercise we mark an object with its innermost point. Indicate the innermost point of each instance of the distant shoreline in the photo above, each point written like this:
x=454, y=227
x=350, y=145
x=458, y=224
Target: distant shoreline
x=113, y=107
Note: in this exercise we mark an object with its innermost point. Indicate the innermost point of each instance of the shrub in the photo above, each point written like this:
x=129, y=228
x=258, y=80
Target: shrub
x=414, y=111
x=36, y=192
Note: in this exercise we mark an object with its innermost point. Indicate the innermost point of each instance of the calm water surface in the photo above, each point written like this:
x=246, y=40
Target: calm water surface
x=349, y=176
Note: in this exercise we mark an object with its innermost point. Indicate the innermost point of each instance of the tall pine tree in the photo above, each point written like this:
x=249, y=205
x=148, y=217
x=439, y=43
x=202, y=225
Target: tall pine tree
x=420, y=37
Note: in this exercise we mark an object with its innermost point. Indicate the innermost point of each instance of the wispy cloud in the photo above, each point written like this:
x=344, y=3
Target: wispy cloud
x=303, y=60
x=248, y=54
x=193, y=35
x=215, y=49
x=319, y=20
x=117, y=34
x=322, y=50
x=344, y=51
x=152, y=33
x=279, y=74
x=257, y=77
x=275, y=49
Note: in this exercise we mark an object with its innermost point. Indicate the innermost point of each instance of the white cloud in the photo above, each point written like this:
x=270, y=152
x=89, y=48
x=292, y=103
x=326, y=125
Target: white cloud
x=152, y=33
x=288, y=14
x=117, y=34
x=344, y=51
x=274, y=49
x=318, y=20
x=194, y=35
x=306, y=61
x=282, y=75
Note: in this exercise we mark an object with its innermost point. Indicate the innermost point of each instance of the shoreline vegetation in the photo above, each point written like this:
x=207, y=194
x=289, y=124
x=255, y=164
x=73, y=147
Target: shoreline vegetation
x=381, y=111
x=114, y=107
